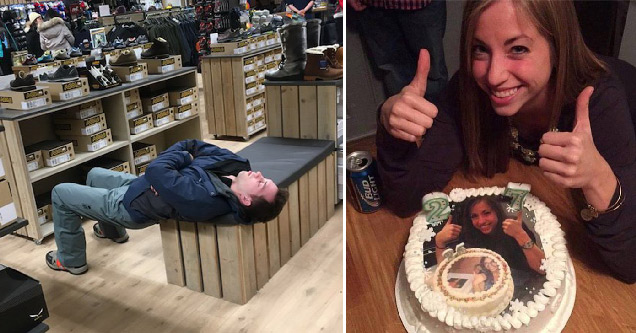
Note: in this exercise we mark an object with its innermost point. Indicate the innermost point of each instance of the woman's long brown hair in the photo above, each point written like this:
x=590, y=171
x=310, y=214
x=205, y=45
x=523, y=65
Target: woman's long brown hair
x=486, y=135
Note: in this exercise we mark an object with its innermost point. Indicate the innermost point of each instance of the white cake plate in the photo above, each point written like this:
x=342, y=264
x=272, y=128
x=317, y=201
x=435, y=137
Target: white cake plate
x=551, y=320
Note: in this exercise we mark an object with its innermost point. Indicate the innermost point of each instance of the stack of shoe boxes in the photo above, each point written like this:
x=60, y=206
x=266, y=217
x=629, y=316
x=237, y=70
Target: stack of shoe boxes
x=85, y=126
x=8, y=213
x=52, y=153
x=254, y=69
x=184, y=102
x=133, y=104
x=157, y=108
x=143, y=154
x=45, y=210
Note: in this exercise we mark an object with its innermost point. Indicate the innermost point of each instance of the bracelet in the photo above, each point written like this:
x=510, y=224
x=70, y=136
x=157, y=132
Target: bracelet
x=589, y=212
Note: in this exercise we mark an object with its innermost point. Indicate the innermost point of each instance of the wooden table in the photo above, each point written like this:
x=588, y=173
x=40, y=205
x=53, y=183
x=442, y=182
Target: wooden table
x=375, y=244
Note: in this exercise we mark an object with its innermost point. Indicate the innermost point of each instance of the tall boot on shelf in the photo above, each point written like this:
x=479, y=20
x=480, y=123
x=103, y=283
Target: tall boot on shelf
x=313, y=32
x=294, y=40
x=318, y=66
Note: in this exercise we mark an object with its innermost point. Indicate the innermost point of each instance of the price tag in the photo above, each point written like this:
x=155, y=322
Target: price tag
x=261, y=45
x=162, y=121
x=32, y=166
x=157, y=107
x=81, y=64
x=187, y=100
x=183, y=115
x=256, y=102
x=135, y=77
x=250, y=91
x=167, y=68
x=142, y=159
x=248, y=68
x=250, y=79
x=87, y=112
x=133, y=114
x=138, y=52
x=33, y=103
x=41, y=219
x=141, y=128
x=71, y=94
x=269, y=59
x=277, y=56
x=97, y=145
x=92, y=129
x=59, y=160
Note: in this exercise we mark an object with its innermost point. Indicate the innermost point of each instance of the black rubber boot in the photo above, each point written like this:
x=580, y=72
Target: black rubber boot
x=313, y=33
x=294, y=40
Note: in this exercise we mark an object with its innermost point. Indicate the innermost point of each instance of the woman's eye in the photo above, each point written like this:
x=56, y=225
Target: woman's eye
x=479, y=49
x=519, y=49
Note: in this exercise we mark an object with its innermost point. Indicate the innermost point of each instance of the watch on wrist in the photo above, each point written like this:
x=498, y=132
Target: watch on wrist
x=528, y=245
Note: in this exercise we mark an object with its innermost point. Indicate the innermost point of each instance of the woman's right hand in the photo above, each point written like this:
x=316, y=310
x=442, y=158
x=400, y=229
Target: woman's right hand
x=449, y=232
x=408, y=115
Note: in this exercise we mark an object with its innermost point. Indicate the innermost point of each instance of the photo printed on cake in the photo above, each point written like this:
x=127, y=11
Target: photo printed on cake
x=473, y=274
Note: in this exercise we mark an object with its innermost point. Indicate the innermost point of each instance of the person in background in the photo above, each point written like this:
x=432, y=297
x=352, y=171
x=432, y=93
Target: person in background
x=54, y=34
x=395, y=31
x=301, y=7
x=32, y=35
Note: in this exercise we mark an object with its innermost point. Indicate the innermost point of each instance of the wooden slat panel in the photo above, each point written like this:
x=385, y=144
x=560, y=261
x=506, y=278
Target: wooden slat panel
x=172, y=256
x=289, y=103
x=294, y=218
x=284, y=235
x=228, y=96
x=327, y=112
x=260, y=254
x=308, y=107
x=322, y=194
x=273, y=246
x=239, y=97
x=303, y=204
x=313, y=200
x=217, y=96
x=208, y=106
x=331, y=184
x=209, y=260
x=274, y=111
x=191, y=257
x=236, y=254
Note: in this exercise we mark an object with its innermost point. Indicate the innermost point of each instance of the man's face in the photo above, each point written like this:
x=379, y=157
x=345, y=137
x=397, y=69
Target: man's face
x=254, y=185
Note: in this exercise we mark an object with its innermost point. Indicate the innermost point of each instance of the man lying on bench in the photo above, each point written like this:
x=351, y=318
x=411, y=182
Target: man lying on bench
x=190, y=181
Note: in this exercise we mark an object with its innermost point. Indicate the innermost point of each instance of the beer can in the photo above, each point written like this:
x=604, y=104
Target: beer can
x=362, y=182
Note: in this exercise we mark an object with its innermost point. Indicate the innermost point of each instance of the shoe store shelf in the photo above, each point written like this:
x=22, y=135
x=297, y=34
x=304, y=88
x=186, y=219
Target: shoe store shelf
x=24, y=128
x=235, y=92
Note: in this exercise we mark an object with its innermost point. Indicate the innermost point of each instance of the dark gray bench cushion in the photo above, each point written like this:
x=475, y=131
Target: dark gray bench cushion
x=285, y=160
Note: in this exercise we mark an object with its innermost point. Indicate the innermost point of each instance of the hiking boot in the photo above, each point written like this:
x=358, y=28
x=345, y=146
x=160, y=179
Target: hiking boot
x=62, y=74
x=54, y=263
x=125, y=58
x=30, y=60
x=61, y=55
x=318, y=67
x=331, y=54
x=115, y=237
x=23, y=82
x=160, y=49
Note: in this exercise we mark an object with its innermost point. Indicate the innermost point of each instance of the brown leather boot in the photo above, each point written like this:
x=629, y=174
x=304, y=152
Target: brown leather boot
x=339, y=55
x=318, y=67
x=332, y=56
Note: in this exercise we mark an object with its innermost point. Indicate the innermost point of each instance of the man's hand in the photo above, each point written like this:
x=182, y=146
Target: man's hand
x=408, y=115
x=357, y=5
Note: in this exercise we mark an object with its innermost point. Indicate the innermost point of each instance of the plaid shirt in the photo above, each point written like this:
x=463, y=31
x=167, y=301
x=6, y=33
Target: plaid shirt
x=397, y=4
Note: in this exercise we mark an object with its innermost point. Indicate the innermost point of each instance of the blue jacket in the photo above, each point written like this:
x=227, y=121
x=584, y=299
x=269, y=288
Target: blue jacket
x=183, y=183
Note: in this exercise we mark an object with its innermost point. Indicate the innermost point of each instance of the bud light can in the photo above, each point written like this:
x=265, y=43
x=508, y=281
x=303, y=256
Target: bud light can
x=363, y=182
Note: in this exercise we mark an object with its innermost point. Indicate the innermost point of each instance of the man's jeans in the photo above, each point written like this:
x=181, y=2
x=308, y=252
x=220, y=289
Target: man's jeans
x=394, y=39
x=101, y=199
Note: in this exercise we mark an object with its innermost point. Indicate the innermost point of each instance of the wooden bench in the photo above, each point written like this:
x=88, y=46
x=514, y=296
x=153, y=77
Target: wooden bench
x=232, y=261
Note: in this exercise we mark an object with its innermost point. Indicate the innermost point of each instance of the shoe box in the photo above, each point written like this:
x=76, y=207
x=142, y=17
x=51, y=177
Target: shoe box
x=162, y=117
x=186, y=110
x=131, y=96
x=107, y=163
x=25, y=100
x=64, y=91
x=141, y=169
x=54, y=152
x=70, y=62
x=131, y=73
x=88, y=126
x=93, y=142
x=81, y=111
x=230, y=48
x=133, y=109
x=45, y=210
x=155, y=103
x=182, y=96
x=140, y=124
x=34, y=159
x=22, y=304
x=162, y=66
x=143, y=152
x=29, y=69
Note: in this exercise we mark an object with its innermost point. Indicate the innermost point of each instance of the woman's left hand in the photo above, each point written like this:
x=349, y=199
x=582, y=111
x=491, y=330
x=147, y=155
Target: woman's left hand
x=571, y=159
x=514, y=227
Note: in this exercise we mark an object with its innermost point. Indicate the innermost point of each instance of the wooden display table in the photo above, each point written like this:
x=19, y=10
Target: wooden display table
x=235, y=95
x=24, y=128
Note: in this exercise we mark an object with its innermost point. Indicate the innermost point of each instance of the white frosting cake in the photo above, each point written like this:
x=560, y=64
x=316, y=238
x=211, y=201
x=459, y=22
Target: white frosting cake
x=484, y=315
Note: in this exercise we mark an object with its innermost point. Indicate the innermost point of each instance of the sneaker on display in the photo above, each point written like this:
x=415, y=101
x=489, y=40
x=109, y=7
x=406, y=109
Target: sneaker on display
x=62, y=74
x=118, y=43
x=46, y=57
x=61, y=55
x=23, y=82
x=132, y=41
x=76, y=52
x=142, y=39
x=30, y=60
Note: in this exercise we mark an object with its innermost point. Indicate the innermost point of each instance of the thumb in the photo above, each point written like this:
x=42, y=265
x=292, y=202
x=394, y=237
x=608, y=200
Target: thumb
x=582, y=120
x=450, y=219
x=519, y=219
x=421, y=75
